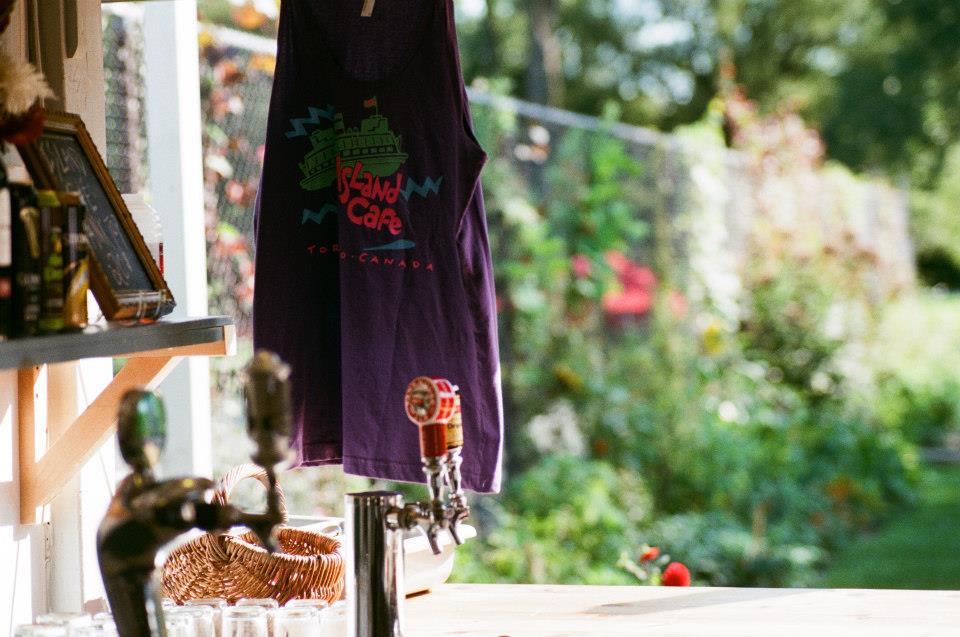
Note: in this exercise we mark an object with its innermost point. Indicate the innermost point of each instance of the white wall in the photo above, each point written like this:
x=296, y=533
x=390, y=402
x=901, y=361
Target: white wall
x=52, y=565
x=21, y=547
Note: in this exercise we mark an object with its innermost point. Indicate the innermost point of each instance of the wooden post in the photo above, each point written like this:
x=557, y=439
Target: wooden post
x=32, y=422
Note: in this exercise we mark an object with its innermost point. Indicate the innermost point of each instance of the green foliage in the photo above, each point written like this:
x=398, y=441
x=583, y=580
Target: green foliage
x=919, y=386
x=721, y=551
x=877, y=76
x=920, y=550
x=564, y=521
x=752, y=450
x=936, y=224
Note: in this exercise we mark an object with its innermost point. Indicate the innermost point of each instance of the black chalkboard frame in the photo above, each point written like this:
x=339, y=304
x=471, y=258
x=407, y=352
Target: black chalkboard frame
x=152, y=302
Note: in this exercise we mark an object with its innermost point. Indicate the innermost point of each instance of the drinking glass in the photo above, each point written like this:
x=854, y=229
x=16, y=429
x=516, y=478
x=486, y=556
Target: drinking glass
x=95, y=630
x=203, y=618
x=335, y=620
x=245, y=621
x=70, y=621
x=296, y=622
x=180, y=626
x=266, y=603
x=103, y=618
x=213, y=602
x=40, y=630
x=217, y=604
x=320, y=604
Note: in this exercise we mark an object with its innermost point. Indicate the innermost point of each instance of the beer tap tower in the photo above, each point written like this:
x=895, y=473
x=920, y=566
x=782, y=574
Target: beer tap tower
x=146, y=514
x=375, y=521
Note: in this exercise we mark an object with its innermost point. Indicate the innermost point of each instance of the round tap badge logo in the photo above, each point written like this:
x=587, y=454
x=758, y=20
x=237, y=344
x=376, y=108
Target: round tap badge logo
x=430, y=400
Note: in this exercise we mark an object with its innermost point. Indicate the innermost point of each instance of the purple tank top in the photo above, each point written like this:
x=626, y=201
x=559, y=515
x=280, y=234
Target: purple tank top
x=372, y=260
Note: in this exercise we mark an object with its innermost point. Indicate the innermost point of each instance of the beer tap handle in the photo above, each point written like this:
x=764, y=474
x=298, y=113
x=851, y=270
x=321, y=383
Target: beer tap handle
x=266, y=388
x=141, y=430
x=454, y=533
x=433, y=440
x=455, y=424
x=452, y=462
x=430, y=400
x=433, y=537
x=430, y=403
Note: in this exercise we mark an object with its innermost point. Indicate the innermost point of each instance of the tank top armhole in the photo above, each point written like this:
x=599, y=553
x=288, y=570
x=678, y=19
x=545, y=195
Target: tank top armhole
x=475, y=153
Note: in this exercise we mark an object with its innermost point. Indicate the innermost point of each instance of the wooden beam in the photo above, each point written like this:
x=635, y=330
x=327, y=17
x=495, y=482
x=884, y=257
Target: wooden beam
x=69, y=445
x=31, y=418
x=40, y=480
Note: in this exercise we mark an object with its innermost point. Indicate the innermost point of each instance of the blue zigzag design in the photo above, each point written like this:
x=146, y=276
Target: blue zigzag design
x=316, y=114
x=424, y=190
x=401, y=244
x=317, y=217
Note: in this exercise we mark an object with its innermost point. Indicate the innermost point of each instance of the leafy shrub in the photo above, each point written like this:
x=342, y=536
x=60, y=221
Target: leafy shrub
x=566, y=520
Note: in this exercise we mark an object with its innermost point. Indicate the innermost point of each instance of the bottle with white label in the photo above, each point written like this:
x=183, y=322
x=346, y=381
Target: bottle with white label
x=6, y=258
x=148, y=222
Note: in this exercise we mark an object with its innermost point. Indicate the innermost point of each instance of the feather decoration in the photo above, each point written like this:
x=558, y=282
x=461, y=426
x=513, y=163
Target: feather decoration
x=21, y=86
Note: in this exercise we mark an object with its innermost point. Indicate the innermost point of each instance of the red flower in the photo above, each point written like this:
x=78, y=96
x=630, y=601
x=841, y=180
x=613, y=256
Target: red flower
x=676, y=574
x=581, y=266
x=650, y=554
x=639, y=284
x=24, y=128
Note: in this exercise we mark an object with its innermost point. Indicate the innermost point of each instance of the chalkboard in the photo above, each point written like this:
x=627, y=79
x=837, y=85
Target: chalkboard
x=124, y=278
x=108, y=241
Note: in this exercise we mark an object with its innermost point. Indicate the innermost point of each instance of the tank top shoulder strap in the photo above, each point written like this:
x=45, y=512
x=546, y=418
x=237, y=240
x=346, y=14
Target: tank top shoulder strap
x=446, y=31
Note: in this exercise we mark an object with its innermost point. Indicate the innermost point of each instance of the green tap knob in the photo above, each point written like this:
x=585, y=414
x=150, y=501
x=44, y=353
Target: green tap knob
x=141, y=429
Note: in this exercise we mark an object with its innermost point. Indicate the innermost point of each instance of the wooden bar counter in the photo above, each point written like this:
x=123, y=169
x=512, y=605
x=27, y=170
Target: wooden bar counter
x=492, y=610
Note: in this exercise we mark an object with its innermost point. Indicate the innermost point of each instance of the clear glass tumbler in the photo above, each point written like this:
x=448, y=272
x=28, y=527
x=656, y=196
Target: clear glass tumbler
x=40, y=630
x=203, y=618
x=245, y=621
x=217, y=604
x=296, y=622
x=70, y=621
x=319, y=604
x=95, y=630
x=180, y=626
x=335, y=620
x=266, y=603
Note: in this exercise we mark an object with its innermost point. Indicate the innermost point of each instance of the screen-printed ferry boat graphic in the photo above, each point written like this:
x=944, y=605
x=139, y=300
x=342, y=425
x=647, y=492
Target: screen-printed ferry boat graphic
x=372, y=143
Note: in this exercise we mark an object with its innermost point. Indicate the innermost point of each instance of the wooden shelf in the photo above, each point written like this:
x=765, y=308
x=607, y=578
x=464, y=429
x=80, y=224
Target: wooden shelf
x=152, y=351
x=113, y=341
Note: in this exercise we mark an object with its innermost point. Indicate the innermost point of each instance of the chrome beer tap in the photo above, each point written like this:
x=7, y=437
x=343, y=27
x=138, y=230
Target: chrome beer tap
x=430, y=404
x=375, y=521
x=458, y=501
x=146, y=514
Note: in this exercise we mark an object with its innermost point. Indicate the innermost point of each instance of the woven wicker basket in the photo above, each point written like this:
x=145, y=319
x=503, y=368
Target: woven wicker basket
x=308, y=565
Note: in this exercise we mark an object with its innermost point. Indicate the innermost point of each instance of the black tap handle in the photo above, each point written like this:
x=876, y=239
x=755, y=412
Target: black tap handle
x=141, y=429
x=433, y=537
x=269, y=418
x=454, y=533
